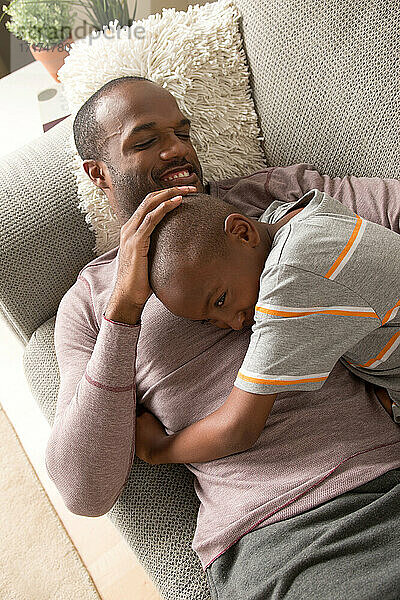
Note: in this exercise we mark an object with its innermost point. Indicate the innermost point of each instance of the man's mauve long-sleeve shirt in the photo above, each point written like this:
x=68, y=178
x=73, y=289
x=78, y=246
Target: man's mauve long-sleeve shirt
x=315, y=445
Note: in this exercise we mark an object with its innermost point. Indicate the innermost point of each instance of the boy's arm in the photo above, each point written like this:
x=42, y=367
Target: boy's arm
x=232, y=428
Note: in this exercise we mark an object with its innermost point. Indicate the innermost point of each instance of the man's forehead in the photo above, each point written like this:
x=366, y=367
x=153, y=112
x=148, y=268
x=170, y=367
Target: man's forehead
x=135, y=104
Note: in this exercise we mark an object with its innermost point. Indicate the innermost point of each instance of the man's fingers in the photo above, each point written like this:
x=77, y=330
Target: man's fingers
x=151, y=201
x=152, y=218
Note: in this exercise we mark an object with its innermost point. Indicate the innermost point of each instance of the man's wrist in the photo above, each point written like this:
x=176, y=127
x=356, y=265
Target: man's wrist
x=123, y=312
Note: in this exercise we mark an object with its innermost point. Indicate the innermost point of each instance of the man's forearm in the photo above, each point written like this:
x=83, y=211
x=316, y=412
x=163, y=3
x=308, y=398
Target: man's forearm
x=90, y=448
x=122, y=311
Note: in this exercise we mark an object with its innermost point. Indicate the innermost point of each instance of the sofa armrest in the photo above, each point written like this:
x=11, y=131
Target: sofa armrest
x=44, y=239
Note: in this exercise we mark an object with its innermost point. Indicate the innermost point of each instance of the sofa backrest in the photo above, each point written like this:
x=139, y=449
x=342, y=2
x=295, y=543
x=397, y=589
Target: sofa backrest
x=326, y=82
x=44, y=239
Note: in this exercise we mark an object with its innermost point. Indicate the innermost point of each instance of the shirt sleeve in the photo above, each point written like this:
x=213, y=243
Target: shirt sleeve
x=91, y=446
x=303, y=324
x=372, y=198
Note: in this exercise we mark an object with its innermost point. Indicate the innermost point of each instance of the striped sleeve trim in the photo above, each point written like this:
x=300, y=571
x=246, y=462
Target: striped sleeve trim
x=262, y=379
x=348, y=250
x=119, y=323
x=384, y=354
x=292, y=311
x=109, y=388
x=391, y=313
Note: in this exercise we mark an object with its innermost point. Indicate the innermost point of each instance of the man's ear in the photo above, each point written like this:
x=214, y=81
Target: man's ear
x=98, y=173
x=242, y=229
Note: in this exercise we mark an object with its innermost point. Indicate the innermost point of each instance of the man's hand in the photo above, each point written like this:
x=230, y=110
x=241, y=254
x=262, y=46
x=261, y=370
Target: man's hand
x=132, y=288
x=149, y=436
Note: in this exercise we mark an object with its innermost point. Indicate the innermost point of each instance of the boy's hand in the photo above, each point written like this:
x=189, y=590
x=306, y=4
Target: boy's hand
x=149, y=436
x=384, y=399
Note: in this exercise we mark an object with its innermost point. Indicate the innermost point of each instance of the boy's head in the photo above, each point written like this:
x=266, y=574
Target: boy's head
x=205, y=262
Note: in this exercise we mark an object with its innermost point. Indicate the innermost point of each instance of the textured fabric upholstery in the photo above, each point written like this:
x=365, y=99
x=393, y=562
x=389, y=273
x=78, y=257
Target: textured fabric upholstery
x=325, y=75
x=44, y=239
x=325, y=80
x=156, y=512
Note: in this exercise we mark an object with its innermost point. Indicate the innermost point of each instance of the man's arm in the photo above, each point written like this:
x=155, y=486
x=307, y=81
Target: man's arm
x=90, y=450
x=232, y=428
x=372, y=198
x=91, y=446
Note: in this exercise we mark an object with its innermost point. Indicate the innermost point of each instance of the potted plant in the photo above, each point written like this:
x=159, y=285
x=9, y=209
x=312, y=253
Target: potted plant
x=101, y=12
x=46, y=24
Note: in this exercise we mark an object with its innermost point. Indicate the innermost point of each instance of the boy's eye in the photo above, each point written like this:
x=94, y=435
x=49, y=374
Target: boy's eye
x=221, y=300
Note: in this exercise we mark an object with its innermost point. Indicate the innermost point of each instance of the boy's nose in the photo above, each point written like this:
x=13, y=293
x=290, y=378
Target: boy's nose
x=234, y=322
x=238, y=321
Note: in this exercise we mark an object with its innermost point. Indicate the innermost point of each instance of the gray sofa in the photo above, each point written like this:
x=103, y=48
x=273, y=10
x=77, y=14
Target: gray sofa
x=325, y=79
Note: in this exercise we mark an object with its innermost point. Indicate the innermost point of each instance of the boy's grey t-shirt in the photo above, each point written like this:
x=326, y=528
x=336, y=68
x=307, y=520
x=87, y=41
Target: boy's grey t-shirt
x=330, y=290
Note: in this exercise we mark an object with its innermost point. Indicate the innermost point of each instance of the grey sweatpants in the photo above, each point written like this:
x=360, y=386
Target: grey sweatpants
x=345, y=549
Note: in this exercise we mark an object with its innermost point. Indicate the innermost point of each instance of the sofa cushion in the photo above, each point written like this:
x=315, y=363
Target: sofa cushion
x=44, y=239
x=325, y=77
x=157, y=510
x=197, y=55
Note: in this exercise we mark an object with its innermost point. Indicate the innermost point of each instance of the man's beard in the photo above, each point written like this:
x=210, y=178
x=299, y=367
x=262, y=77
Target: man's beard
x=129, y=191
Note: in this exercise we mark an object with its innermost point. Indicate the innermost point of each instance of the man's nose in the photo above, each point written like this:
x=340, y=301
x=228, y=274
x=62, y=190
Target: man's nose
x=173, y=147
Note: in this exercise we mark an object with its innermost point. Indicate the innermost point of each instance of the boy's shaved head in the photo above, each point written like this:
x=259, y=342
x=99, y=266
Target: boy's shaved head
x=192, y=233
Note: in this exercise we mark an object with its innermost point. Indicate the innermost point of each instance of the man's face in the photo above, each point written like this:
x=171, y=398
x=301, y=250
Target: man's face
x=148, y=143
x=223, y=292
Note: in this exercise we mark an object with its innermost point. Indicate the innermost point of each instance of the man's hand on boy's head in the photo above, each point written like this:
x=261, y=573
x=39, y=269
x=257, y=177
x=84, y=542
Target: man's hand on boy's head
x=132, y=288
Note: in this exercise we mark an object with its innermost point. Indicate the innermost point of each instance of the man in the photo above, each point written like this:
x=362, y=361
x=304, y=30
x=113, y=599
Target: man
x=261, y=510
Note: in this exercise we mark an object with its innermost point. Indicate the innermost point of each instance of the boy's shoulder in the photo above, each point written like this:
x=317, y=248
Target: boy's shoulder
x=315, y=234
x=328, y=246
x=314, y=202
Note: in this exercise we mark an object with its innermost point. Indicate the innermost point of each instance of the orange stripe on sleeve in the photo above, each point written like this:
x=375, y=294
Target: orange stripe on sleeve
x=279, y=381
x=391, y=313
x=346, y=249
x=382, y=353
x=331, y=311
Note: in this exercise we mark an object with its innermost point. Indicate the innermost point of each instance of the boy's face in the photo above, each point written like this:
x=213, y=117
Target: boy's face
x=223, y=292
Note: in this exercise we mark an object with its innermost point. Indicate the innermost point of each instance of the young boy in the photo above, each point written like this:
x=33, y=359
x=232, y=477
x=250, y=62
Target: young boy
x=322, y=285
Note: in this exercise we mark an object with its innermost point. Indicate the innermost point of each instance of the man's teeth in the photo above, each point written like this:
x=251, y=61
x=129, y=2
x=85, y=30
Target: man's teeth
x=176, y=175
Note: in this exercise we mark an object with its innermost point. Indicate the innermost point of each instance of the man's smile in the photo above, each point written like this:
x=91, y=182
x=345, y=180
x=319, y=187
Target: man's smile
x=183, y=175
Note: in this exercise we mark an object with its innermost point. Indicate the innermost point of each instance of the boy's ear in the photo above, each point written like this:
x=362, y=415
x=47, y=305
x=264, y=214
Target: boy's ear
x=242, y=229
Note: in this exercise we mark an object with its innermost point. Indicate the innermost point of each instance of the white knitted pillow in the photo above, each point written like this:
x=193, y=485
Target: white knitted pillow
x=196, y=55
